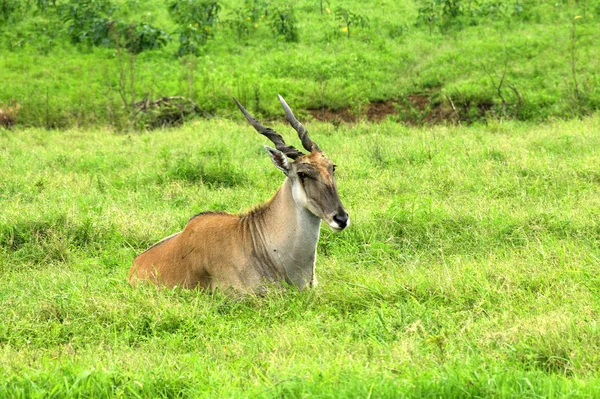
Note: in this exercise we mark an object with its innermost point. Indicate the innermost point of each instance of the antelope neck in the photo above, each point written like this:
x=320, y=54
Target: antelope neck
x=288, y=236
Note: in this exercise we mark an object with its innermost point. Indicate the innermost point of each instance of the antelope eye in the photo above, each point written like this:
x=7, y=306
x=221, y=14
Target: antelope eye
x=302, y=175
x=334, y=167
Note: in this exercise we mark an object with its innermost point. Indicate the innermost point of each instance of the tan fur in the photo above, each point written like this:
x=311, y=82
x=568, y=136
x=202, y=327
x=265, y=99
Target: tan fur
x=190, y=258
x=275, y=242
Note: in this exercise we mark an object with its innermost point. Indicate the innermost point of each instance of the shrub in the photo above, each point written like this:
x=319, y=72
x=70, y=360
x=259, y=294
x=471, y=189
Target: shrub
x=8, y=8
x=446, y=14
x=91, y=23
x=283, y=23
x=197, y=21
x=347, y=19
x=248, y=18
x=142, y=37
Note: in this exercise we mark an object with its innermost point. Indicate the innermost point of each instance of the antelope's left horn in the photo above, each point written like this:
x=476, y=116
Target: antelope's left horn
x=307, y=143
x=271, y=134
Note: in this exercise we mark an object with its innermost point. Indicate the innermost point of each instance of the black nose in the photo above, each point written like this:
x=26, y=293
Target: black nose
x=341, y=220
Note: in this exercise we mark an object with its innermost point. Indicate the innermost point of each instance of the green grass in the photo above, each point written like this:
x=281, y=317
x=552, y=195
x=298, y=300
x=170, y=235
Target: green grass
x=470, y=268
x=59, y=84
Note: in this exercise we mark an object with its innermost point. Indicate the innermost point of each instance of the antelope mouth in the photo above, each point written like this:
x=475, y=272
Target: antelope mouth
x=338, y=223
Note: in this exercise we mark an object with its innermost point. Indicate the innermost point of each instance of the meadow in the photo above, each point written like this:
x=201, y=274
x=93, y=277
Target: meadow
x=470, y=268
x=466, y=139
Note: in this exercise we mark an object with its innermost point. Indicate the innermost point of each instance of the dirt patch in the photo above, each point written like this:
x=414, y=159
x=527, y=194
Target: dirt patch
x=375, y=111
x=380, y=110
x=8, y=115
x=333, y=115
x=421, y=101
x=413, y=109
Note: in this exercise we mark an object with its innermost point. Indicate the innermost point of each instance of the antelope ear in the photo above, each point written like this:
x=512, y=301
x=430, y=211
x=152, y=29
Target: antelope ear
x=279, y=159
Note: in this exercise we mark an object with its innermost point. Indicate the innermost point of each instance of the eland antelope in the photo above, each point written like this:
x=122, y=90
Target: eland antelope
x=272, y=243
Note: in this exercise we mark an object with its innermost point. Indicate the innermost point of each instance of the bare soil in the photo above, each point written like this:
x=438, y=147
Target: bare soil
x=413, y=109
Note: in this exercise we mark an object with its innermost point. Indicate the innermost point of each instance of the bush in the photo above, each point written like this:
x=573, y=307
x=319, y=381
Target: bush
x=197, y=21
x=142, y=37
x=283, y=23
x=247, y=19
x=446, y=14
x=8, y=8
x=91, y=23
x=348, y=19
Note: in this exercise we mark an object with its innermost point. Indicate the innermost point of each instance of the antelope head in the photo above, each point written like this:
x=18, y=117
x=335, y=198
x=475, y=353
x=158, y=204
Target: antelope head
x=312, y=175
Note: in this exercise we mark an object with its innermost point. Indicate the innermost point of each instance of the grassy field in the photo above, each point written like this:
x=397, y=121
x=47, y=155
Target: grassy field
x=471, y=267
x=526, y=60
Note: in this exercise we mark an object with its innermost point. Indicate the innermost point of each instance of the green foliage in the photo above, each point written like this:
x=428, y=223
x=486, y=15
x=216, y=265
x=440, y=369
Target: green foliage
x=196, y=22
x=256, y=10
x=89, y=21
x=545, y=78
x=348, y=19
x=323, y=5
x=428, y=15
x=240, y=23
x=246, y=19
x=143, y=37
x=283, y=23
x=397, y=30
x=447, y=14
x=44, y=5
x=8, y=9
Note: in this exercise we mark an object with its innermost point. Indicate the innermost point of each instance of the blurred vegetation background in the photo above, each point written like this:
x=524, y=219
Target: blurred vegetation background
x=131, y=63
